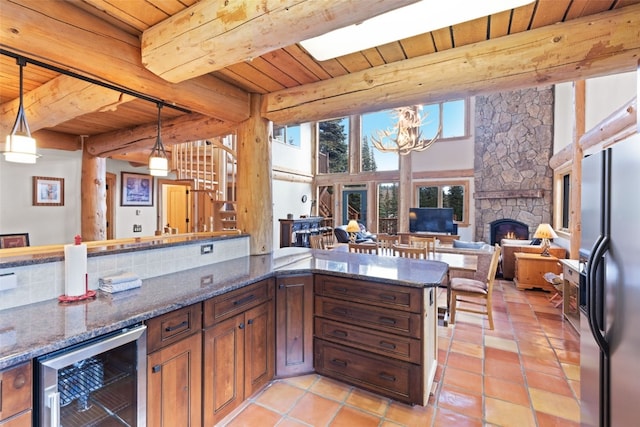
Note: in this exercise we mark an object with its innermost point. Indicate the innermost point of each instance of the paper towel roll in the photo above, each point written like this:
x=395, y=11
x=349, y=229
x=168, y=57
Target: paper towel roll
x=75, y=269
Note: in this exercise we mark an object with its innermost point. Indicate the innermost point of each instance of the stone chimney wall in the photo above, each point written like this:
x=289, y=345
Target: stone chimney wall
x=513, y=145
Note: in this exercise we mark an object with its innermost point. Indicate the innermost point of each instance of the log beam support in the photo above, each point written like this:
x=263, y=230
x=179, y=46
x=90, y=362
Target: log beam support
x=255, y=196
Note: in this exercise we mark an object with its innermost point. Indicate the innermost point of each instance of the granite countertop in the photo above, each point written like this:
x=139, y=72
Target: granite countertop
x=33, y=330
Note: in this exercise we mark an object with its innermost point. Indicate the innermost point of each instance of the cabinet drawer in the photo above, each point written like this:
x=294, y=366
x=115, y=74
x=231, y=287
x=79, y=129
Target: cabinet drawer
x=570, y=274
x=393, y=378
x=382, y=319
x=171, y=327
x=403, y=348
x=234, y=302
x=15, y=390
x=383, y=295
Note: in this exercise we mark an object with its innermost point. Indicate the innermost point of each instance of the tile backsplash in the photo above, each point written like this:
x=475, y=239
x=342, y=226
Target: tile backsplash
x=41, y=282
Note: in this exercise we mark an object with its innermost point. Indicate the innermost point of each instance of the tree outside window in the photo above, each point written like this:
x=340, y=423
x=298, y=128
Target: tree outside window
x=444, y=196
x=333, y=146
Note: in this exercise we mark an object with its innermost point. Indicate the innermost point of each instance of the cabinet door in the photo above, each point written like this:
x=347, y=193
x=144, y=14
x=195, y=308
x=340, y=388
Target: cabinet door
x=15, y=390
x=223, y=368
x=259, y=348
x=174, y=381
x=294, y=320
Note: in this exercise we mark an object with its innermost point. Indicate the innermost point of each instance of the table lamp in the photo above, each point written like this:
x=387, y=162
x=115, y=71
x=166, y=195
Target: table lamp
x=353, y=228
x=545, y=232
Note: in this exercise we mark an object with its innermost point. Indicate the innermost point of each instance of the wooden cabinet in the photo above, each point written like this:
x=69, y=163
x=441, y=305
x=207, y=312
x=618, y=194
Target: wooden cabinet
x=376, y=336
x=530, y=270
x=571, y=293
x=16, y=396
x=294, y=330
x=238, y=348
x=174, y=368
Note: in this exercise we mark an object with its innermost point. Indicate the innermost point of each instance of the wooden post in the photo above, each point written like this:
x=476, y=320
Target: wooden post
x=576, y=169
x=255, y=196
x=93, y=197
x=405, y=193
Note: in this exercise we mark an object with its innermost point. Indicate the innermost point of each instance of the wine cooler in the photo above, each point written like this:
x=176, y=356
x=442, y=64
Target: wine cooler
x=101, y=382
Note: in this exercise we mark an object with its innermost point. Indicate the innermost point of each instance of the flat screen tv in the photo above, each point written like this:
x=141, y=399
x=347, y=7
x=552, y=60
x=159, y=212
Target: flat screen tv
x=431, y=220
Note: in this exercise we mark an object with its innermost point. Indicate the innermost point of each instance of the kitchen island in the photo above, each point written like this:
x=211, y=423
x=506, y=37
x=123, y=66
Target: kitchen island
x=36, y=329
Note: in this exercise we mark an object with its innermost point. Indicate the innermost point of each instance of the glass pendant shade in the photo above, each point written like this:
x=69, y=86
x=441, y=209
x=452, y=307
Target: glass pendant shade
x=158, y=166
x=20, y=149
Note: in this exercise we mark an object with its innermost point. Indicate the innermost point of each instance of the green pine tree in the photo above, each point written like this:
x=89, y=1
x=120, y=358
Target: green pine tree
x=333, y=143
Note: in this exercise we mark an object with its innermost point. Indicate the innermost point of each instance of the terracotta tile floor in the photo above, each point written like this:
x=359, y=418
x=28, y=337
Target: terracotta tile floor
x=523, y=373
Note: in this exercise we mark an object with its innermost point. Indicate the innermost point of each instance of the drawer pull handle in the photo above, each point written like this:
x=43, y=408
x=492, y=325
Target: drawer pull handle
x=18, y=383
x=281, y=286
x=387, y=377
x=339, y=333
x=341, y=311
x=387, y=321
x=176, y=327
x=250, y=321
x=244, y=300
x=389, y=345
x=388, y=297
x=156, y=369
x=241, y=326
x=343, y=290
x=339, y=362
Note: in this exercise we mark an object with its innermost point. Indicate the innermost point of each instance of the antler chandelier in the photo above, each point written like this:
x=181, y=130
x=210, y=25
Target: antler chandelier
x=406, y=135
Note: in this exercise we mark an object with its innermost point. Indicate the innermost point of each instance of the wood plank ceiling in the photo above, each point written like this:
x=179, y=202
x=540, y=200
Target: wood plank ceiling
x=278, y=70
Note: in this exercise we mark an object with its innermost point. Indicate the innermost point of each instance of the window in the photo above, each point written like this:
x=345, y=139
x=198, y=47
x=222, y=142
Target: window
x=388, y=207
x=333, y=146
x=562, y=200
x=289, y=135
x=445, y=195
x=373, y=159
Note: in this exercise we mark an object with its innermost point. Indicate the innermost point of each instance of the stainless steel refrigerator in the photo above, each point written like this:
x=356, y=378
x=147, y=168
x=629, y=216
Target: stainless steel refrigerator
x=610, y=286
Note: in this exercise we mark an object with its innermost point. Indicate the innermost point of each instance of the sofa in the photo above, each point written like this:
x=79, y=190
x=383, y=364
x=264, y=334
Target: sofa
x=510, y=247
x=362, y=237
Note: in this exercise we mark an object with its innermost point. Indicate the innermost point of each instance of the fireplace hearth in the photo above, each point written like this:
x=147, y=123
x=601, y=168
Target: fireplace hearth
x=508, y=229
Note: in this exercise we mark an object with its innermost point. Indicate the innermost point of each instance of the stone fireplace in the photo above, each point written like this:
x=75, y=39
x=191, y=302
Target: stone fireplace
x=513, y=145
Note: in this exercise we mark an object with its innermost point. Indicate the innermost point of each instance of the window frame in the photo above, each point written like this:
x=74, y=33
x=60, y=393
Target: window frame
x=285, y=131
x=444, y=183
x=559, y=199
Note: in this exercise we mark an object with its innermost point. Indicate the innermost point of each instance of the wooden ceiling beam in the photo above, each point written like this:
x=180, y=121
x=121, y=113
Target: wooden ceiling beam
x=90, y=46
x=211, y=34
x=189, y=127
x=597, y=45
x=59, y=100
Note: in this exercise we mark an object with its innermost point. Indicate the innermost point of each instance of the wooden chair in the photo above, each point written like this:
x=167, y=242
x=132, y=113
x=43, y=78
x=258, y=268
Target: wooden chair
x=386, y=242
x=316, y=241
x=423, y=242
x=410, y=252
x=363, y=248
x=475, y=292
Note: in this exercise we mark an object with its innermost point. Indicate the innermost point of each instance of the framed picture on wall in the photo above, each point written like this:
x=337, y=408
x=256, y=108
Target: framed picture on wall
x=137, y=189
x=48, y=191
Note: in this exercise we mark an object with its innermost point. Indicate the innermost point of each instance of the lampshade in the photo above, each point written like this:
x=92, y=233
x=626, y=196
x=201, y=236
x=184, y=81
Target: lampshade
x=353, y=227
x=20, y=149
x=545, y=231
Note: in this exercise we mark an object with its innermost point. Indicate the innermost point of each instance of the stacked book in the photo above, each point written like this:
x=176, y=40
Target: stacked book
x=119, y=282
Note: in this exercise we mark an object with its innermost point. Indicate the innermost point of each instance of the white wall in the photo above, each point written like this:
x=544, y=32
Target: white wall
x=127, y=216
x=287, y=196
x=45, y=224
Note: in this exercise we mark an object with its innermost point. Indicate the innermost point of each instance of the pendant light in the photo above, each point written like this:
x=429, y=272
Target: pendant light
x=20, y=147
x=158, y=162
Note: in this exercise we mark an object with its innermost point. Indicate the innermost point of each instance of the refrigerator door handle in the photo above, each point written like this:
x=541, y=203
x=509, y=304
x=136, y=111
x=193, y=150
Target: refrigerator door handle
x=595, y=260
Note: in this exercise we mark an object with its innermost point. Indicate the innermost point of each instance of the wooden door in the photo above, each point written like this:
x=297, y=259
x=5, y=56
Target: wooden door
x=294, y=333
x=178, y=208
x=174, y=384
x=259, y=348
x=223, y=368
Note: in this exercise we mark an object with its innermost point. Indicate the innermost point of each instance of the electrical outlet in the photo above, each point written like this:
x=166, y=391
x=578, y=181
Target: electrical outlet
x=206, y=249
x=137, y=228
